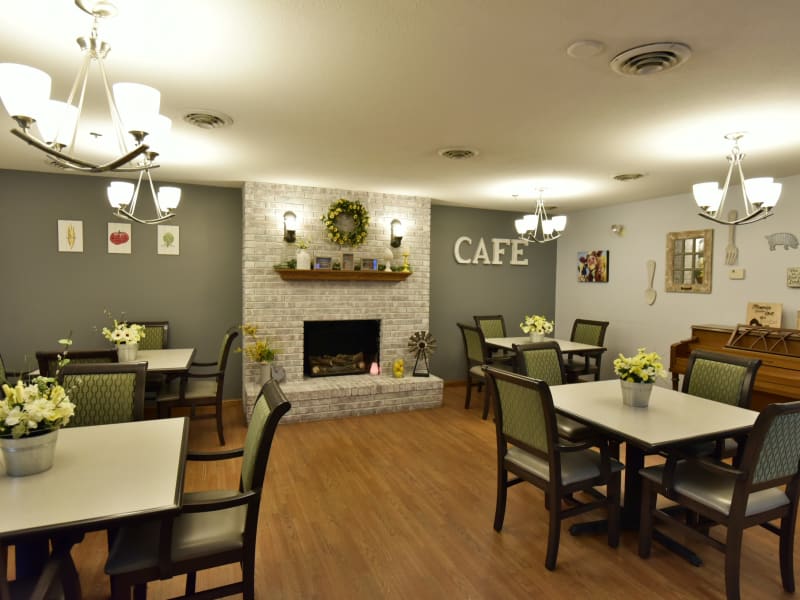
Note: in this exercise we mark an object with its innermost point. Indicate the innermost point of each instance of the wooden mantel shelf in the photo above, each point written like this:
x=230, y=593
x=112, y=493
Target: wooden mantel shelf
x=330, y=275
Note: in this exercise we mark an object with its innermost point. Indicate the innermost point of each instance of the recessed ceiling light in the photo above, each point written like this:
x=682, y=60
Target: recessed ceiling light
x=585, y=48
x=458, y=153
x=628, y=176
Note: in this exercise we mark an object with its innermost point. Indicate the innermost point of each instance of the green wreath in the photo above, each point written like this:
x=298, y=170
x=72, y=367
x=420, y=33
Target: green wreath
x=346, y=222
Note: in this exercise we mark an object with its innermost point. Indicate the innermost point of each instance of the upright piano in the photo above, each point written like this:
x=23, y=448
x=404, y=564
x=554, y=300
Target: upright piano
x=778, y=379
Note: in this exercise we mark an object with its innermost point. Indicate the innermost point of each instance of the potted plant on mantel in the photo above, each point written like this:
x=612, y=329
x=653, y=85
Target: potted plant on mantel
x=258, y=351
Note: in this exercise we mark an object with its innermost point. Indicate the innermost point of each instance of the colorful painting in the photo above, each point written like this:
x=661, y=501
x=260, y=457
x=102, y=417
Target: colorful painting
x=593, y=266
x=169, y=239
x=119, y=238
x=70, y=236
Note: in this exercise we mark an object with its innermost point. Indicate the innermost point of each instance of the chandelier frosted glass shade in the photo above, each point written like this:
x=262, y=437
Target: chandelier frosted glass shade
x=759, y=194
x=528, y=227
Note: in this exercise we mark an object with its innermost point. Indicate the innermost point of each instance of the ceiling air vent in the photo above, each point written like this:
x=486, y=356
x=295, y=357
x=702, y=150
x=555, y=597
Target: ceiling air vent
x=651, y=58
x=458, y=153
x=207, y=119
x=628, y=176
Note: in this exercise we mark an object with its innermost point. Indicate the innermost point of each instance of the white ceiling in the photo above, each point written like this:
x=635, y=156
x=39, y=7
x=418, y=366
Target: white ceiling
x=360, y=94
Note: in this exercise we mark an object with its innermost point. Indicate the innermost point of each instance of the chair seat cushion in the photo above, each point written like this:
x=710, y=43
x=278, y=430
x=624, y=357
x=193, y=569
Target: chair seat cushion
x=194, y=534
x=714, y=489
x=575, y=466
x=195, y=389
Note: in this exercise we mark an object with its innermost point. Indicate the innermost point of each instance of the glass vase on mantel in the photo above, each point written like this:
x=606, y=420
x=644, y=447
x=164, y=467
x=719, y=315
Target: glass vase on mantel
x=30, y=454
x=303, y=259
x=636, y=394
x=127, y=352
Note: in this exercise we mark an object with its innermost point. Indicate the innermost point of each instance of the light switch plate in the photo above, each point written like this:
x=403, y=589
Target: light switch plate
x=736, y=274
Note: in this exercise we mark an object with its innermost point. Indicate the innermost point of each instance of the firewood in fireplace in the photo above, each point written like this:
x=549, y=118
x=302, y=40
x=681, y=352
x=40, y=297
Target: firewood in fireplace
x=338, y=364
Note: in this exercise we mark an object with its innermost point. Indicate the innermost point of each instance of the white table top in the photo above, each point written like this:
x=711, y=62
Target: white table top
x=671, y=417
x=166, y=360
x=565, y=345
x=101, y=474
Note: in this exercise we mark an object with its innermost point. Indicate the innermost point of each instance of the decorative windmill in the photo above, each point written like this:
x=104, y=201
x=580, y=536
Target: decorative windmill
x=423, y=345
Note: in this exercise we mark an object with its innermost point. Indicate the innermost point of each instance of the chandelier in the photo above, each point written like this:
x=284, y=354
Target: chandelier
x=528, y=226
x=760, y=194
x=52, y=126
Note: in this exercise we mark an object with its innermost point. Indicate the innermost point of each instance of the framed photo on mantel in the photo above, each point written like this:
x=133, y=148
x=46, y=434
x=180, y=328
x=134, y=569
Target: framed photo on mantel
x=764, y=314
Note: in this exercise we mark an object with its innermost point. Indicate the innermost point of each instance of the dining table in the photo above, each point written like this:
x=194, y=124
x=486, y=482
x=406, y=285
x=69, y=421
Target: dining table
x=567, y=346
x=672, y=418
x=167, y=360
x=102, y=476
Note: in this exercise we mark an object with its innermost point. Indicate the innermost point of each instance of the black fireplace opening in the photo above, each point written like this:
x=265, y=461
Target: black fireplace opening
x=340, y=347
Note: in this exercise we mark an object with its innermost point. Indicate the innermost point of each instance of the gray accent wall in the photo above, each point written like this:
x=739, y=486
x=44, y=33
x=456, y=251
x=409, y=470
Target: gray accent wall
x=460, y=291
x=46, y=293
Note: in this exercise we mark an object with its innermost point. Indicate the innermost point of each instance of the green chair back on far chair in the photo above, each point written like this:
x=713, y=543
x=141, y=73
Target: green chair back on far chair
x=156, y=335
x=528, y=448
x=586, y=331
x=542, y=360
x=723, y=378
x=213, y=528
x=494, y=326
x=48, y=361
x=476, y=356
x=764, y=487
x=105, y=393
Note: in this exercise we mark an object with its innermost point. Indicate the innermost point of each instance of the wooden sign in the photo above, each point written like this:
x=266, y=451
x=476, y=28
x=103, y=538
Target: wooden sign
x=764, y=314
x=793, y=277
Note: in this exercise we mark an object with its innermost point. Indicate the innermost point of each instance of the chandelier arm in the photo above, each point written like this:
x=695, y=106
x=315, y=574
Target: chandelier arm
x=758, y=215
x=748, y=205
x=116, y=120
x=159, y=214
x=127, y=215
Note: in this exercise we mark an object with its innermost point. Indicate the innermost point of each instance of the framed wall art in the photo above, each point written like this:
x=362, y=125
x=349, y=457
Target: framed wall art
x=119, y=238
x=593, y=266
x=169, y=239
x=70, y=236
x=764, y=314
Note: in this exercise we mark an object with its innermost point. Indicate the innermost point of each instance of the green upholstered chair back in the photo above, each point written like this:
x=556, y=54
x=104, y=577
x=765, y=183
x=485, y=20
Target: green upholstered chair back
x=585, y=331
x=156, y=335
x=474, y=344
x=105, y=393
x=523, y=410
x=721, y=377
x=778, y=457
x=540, y=361
x=271, y=404
x=3, y=375
x=48, y=361
x=491, y=325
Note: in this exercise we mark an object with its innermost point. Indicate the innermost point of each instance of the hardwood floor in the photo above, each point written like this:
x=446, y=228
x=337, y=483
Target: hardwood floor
x=401, y=506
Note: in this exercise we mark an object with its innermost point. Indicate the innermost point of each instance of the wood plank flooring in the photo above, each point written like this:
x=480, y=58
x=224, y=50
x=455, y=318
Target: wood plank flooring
x=401, y=506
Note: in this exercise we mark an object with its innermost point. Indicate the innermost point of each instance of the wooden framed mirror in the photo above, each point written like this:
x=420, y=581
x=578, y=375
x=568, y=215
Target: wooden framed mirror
x=689, y=260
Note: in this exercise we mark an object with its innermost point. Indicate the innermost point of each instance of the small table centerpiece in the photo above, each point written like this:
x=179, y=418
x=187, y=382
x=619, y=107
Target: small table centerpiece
x=258, y=351
x=537, y=326
x=126, y=337
x=30, y=416
x=637, y=375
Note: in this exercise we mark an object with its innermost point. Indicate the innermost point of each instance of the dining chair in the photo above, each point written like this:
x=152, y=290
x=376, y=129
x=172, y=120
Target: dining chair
x=477, y=355
x=48, y=361
x=105, y=393
x=723, y=378
x=586, y=331
x=213, y=528
x=494, y=326
x=156, y=335
x=528, y=447
x=202, y=385
x=764, y=486
x=543, y=360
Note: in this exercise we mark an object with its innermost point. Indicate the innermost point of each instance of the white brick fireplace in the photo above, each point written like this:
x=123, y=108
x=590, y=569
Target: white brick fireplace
x=280, y=307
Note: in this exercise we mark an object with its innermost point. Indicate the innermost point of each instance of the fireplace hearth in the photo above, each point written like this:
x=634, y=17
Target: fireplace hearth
x=346, y=347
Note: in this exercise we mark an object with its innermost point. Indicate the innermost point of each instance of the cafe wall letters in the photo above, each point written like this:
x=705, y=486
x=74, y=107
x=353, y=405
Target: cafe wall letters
x=499, y=250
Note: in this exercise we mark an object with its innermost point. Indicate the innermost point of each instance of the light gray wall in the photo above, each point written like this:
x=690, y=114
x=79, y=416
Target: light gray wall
x=621, y=300
x=46, y=293
x=459, y=291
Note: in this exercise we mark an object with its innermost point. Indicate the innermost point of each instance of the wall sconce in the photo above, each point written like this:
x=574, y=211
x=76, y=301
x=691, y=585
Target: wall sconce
x=617, y=229
x=289, y=226
x=398, y=231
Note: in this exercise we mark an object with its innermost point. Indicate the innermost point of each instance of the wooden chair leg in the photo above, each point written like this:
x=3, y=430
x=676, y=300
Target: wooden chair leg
x=469, y=392
x=613, y=498
x=248, y=576
x=500, y=503
x=787, y=551
x=220, y=435
x=553, y=535
x=486, y=402
x=191, y=582
x=646, y=518
x=733, y=555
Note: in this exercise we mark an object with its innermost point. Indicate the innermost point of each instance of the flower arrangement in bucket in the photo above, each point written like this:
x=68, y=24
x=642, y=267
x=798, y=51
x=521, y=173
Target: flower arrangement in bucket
x=637, y=375
x=258, y=350
x=126, y=336
x=30, y=416
x=536, y=326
